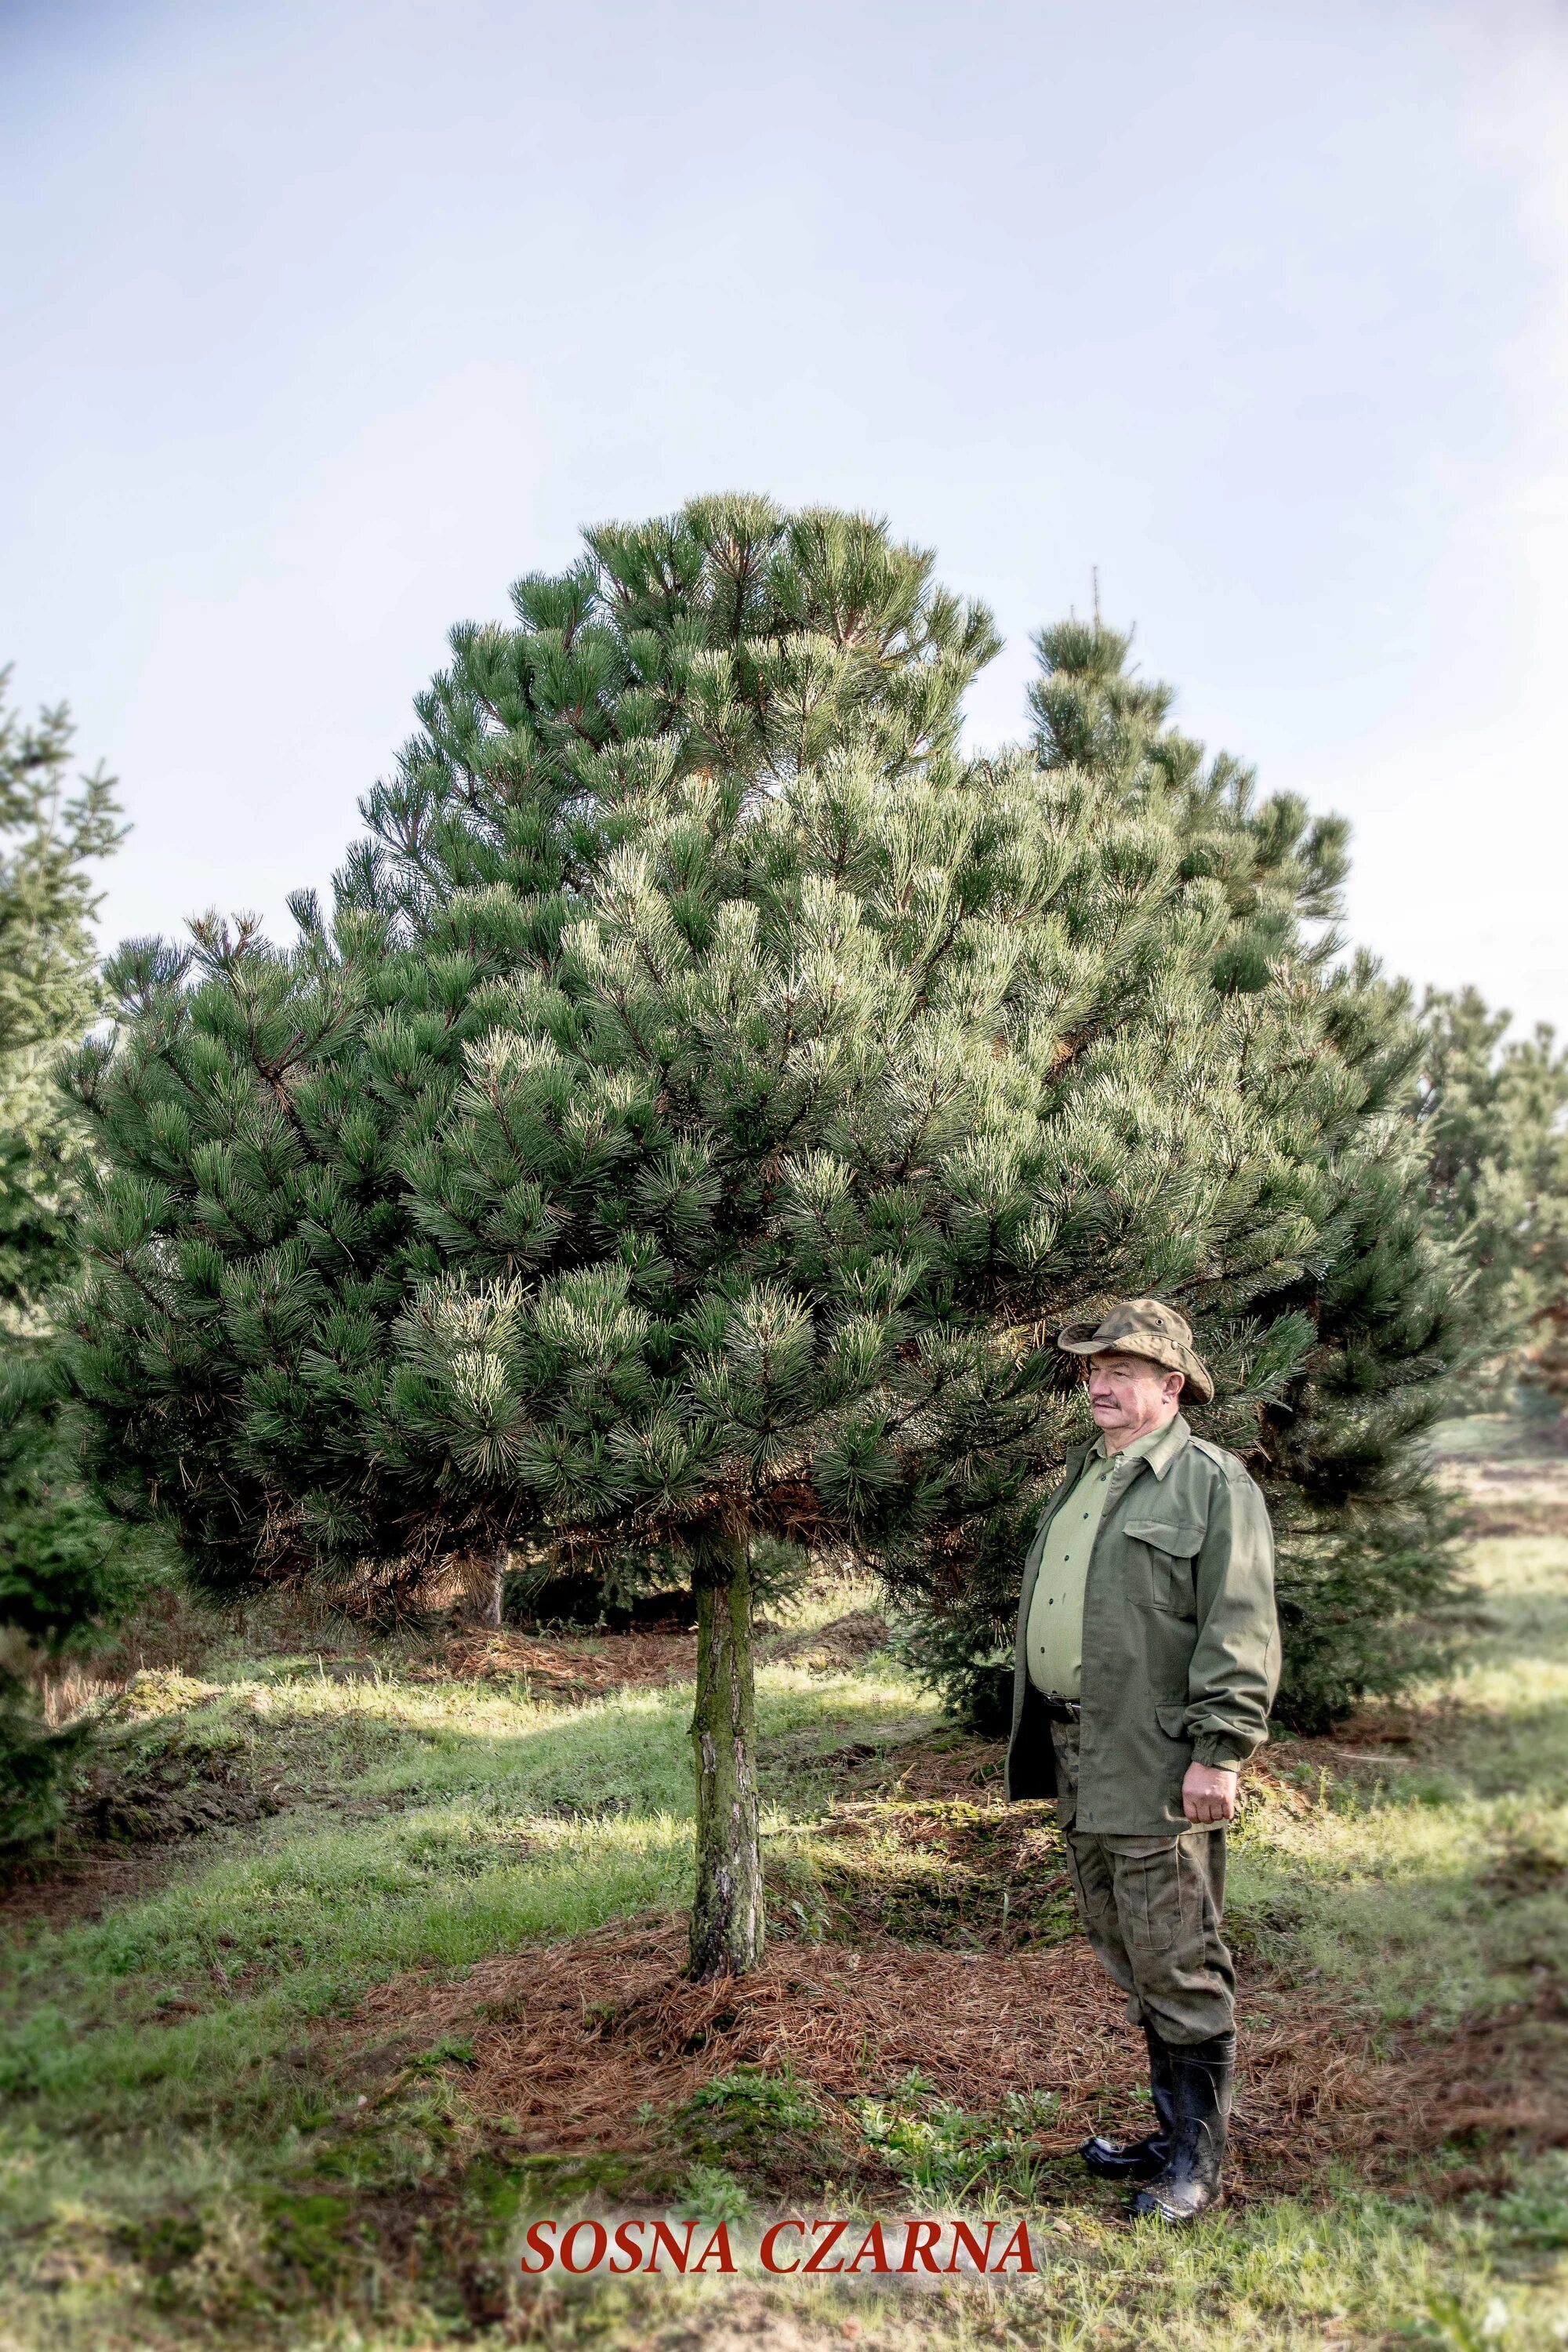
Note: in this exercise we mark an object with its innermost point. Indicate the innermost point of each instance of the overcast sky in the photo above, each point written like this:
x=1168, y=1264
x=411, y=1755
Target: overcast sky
x=321, y=323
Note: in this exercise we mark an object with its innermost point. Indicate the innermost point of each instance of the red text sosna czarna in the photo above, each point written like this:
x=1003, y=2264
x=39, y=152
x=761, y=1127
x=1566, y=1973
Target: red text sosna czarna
x=814, y=2249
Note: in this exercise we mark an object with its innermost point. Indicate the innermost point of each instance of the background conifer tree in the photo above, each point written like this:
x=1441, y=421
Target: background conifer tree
x=1494, y=1114
x=50, y=839
x=707, y=1095
x=66, y=1569
x=1283, y=1082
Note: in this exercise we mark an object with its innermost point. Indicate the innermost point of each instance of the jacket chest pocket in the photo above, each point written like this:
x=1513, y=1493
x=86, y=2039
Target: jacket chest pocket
x=1171, y=1547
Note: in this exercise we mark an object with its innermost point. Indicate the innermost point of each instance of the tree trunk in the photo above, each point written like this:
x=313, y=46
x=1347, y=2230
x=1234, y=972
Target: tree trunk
x=489, y=1585
x=727, y=1915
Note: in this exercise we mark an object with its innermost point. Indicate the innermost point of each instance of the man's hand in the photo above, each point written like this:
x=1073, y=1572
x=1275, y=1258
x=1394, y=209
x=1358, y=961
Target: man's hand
x=1208, y=1793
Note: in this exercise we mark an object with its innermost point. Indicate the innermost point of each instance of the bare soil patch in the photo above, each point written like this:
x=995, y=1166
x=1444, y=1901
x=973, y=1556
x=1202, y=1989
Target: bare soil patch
x=145, y=1805
x=1504, y=2078
x=1519, y=1489
x=61, y=1891
x=947, y=1762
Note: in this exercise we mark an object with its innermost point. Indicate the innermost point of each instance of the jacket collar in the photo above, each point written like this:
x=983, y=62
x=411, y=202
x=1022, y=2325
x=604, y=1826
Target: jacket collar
x=1172, y=1439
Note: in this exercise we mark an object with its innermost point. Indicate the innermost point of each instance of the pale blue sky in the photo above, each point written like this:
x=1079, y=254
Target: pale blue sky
x=321, y=323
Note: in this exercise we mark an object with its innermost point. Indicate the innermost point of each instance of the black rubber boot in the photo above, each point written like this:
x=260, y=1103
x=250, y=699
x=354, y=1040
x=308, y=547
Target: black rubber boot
x=1138, y=2159
x=1201, y=2075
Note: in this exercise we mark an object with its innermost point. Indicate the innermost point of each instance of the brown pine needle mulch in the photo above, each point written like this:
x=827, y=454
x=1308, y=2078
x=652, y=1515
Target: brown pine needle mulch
x=582, y=1668
x=587, y=2046
x=836, y=1648
x=592, y=1663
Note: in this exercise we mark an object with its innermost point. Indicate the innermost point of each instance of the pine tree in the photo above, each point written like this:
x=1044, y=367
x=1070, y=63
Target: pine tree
x=258, y=1235
x=1493, y=1114
x=1334, y=1317
x=707, y=1096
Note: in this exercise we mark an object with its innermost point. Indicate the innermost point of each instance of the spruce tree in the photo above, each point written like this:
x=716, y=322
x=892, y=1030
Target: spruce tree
x=707, y=1095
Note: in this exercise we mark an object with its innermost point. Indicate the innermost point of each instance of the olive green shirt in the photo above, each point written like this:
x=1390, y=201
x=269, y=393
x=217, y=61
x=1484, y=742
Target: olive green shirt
x=1054, y=1642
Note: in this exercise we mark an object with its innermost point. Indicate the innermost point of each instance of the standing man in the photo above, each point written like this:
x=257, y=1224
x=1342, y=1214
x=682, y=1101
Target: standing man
x=1148, y=1658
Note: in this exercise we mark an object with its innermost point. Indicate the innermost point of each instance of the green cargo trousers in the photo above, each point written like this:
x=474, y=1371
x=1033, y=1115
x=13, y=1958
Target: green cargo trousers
x=1151, y=1908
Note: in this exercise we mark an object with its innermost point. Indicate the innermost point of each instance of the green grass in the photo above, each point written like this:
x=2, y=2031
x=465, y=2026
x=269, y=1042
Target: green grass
x=518, y=1823
x=1436, y=1887
x=179, y=2165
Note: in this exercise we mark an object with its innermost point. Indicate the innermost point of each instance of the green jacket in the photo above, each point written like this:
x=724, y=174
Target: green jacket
x=1181, y=1644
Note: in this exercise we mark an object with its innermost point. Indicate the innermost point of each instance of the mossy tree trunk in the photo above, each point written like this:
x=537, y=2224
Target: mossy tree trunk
x=727, y=1914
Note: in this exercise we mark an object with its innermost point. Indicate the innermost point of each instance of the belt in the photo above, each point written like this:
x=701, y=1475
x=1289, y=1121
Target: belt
x=1060, y=1710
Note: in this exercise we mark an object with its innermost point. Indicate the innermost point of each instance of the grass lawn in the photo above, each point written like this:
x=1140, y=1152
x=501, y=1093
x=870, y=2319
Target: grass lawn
x=294, y=2046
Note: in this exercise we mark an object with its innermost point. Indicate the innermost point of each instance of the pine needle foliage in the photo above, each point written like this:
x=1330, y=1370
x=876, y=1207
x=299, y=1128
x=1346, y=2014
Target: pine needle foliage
x=1336, y=1318
x=707, y=1096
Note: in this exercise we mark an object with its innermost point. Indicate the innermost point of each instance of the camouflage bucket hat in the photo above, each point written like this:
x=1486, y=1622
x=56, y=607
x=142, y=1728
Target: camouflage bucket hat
x=1142, y=1327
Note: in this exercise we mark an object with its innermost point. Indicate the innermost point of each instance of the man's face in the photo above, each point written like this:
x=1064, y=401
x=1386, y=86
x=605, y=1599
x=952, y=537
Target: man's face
x=1129, y=1396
